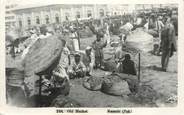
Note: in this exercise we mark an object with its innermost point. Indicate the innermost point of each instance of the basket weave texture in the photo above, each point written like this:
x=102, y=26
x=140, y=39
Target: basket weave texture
x=42, y=55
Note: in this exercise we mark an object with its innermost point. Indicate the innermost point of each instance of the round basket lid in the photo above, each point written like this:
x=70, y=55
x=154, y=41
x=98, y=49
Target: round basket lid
x=41, y=55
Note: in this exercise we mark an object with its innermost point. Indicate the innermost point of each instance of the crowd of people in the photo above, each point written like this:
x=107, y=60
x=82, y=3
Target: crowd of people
x=163, y=26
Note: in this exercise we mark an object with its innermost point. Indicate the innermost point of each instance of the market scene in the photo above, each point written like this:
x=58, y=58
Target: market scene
x=91, y=55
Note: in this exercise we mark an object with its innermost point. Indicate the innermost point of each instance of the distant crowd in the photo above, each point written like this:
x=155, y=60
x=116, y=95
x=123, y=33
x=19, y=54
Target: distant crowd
x=162, y=25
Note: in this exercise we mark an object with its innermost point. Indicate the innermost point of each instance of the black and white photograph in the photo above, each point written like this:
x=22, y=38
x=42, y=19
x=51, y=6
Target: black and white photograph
x=91, y=55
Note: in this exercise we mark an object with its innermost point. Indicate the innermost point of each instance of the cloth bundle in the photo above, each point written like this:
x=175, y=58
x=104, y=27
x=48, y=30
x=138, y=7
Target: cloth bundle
x=92, y=83
x=140, y=40
x=113, y=85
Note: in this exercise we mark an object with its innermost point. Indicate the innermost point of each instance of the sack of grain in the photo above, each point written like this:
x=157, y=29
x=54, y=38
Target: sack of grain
x=92, y=83
x=113, y=85
x=43, y=55
x=140, y=40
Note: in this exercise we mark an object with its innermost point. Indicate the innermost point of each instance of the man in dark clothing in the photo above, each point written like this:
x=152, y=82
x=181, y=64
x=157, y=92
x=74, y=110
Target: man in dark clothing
x=127, y=66
x=168, y=43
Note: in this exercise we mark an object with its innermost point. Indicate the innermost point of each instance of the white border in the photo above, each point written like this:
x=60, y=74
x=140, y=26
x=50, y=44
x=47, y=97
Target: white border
x=179, y=110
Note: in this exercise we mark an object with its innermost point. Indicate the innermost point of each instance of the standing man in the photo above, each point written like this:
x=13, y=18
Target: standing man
x=168, y=43
x=98, y=46
x=89, y=60
x=160, y=26
x=74, y=37
x=107, y=34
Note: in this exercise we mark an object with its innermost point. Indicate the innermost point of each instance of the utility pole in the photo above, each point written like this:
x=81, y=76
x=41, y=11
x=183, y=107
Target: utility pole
x=139, y=67
x=78, y=37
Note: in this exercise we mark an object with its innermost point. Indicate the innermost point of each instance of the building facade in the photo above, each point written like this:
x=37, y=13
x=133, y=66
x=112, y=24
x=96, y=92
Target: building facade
x=38, y=15
x=118, y=9
x=10, y=17
x=31, y=15
x=154, y=6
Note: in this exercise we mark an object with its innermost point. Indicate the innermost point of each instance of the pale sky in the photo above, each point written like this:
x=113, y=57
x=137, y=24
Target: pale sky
x=24, y=2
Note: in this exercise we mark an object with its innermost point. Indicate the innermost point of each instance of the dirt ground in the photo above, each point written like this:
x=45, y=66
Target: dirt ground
x=165, y=83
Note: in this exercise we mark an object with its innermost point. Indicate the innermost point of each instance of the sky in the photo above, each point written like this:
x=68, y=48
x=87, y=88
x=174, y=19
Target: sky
x=24, y=2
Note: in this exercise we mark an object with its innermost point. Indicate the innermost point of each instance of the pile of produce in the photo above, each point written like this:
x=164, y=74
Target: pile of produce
x=140, y=40
x=92, y=83
x=113, y=85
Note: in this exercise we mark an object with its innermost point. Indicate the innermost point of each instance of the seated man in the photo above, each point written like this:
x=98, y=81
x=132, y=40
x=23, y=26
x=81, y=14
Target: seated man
x=127, y=66
x=89, y=60
x=77, y=69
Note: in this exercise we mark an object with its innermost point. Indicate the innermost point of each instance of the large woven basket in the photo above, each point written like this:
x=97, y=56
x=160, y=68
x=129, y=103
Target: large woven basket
x=14, y=77
x=113, y=85
x=42, y=56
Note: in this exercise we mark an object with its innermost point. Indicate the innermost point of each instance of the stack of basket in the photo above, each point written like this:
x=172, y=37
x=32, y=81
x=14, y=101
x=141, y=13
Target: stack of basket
x=42, y=56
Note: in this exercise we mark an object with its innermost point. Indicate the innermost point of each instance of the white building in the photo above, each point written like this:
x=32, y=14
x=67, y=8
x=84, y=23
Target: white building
x=10, y=17
x=56, y=13
x=118, y=9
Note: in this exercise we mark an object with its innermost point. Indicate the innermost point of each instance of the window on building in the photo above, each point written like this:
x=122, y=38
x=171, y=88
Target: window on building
x=78, y=14
x=20, y=23
x=107, y=13
x=57, y=18
x=7, y=7
x=9, y=17
x=89, y=13
x=67, y=16
x=47, y=19
x=29, y=21
x=101, y=12
x=37, y=20
x=7, y=12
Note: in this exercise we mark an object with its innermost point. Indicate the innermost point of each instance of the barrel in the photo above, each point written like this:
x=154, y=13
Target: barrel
x=14, y=77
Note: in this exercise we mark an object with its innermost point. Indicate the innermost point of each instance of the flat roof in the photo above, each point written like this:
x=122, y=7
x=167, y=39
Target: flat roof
x=21, y=7
x=30, y=6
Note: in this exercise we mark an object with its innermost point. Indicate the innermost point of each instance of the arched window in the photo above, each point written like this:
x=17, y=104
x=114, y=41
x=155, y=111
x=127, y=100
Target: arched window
x=101, y=12
x=20, y=22
x=78, y=14
x=29, y=21
x=89, y=13
x=47, y=19
x=67, y=15
x=57, y=18
x=37, y=20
